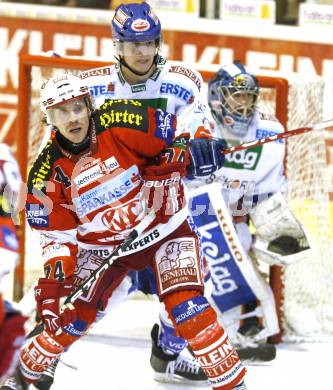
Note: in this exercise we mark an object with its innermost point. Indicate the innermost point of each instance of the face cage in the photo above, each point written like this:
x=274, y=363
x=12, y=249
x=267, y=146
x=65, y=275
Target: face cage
x=85, y=98
x=239, y=102
x=217, y=112
x=119, y=47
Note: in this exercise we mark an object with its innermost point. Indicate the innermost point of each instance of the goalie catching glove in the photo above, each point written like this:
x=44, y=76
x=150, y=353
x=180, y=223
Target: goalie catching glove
x=163, y=191
x=48, y=294
x=285, y=245
x=280, y=238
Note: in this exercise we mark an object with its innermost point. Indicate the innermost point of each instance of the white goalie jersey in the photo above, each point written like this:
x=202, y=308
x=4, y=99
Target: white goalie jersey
x=251, y=181
x=253, y=173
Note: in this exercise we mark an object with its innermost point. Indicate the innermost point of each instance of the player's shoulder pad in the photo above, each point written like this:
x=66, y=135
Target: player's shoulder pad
x=42, y=168
x=97, y=72
x=189, y=75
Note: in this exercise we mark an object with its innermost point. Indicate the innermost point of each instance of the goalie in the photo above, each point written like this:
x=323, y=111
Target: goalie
x=252, y=183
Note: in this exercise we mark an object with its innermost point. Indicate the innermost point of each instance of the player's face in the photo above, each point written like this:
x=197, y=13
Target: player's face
x=241, y=103
x=71, y=119
x=139, y=55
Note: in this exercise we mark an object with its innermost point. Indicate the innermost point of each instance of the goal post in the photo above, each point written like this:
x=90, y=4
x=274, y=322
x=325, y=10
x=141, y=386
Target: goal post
x=296, y=103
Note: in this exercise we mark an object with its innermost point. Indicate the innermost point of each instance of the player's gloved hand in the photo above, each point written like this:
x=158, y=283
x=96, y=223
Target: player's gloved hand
x=48, y=293
x=206, y=156
x=163, y=190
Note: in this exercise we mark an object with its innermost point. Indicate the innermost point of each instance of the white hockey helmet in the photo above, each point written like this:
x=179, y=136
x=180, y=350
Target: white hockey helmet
x=61, y=89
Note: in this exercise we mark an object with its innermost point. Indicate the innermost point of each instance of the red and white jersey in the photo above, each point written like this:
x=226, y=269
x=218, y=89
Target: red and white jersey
x=173, y=87
x=10, y=180
x=91, y=199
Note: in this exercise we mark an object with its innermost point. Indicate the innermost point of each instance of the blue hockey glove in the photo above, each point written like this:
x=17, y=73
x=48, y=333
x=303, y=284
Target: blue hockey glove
x=206, y=156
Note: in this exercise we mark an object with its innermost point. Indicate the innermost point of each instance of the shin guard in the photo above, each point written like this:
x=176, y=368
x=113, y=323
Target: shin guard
x=217, y=357
x=196, y=321
x=37, y=355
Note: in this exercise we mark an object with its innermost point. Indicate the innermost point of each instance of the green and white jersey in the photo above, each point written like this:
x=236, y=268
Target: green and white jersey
x=173, y=87
x=254, y=172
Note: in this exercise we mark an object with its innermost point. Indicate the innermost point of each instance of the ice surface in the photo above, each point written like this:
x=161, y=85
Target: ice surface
x=116, y=357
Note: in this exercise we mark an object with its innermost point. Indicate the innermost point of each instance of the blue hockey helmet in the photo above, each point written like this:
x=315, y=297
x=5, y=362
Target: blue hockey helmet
x=232, y=97
x=135, y=23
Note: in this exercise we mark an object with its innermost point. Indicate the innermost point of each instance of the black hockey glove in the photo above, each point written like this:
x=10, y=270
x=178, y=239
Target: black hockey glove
x=285, y=245
x=206, y=156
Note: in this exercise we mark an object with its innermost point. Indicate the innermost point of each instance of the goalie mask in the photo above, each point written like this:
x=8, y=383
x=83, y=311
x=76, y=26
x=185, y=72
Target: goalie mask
x=136, y=31
x=232, y=96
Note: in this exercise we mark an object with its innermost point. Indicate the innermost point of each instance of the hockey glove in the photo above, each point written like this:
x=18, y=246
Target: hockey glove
x=48, y=293
x=285, y=245
x=206, y=156
x=163, y=191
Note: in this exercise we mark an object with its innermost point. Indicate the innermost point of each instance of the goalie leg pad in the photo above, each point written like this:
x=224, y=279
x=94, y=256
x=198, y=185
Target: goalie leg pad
x=196, y=321
x=234, y=279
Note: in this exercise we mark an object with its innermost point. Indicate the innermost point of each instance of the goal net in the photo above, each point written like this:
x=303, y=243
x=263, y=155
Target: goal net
x=307, y=285
x=303, y=291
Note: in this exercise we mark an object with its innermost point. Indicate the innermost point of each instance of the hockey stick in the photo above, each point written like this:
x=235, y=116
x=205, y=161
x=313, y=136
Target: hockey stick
x=286, y=134
x=107, y=262
x=148, y=219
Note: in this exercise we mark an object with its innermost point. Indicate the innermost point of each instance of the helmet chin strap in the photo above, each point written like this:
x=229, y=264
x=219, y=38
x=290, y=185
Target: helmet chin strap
x=124, y=63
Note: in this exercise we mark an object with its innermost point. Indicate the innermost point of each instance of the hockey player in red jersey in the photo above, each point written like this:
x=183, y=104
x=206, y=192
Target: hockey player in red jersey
x=141, y=72
x=11, y=320
x=90, y=186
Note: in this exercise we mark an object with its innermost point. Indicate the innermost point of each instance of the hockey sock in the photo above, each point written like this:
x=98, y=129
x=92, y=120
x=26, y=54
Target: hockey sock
x=196, y=321
x=37, y=355
x=217, y=357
